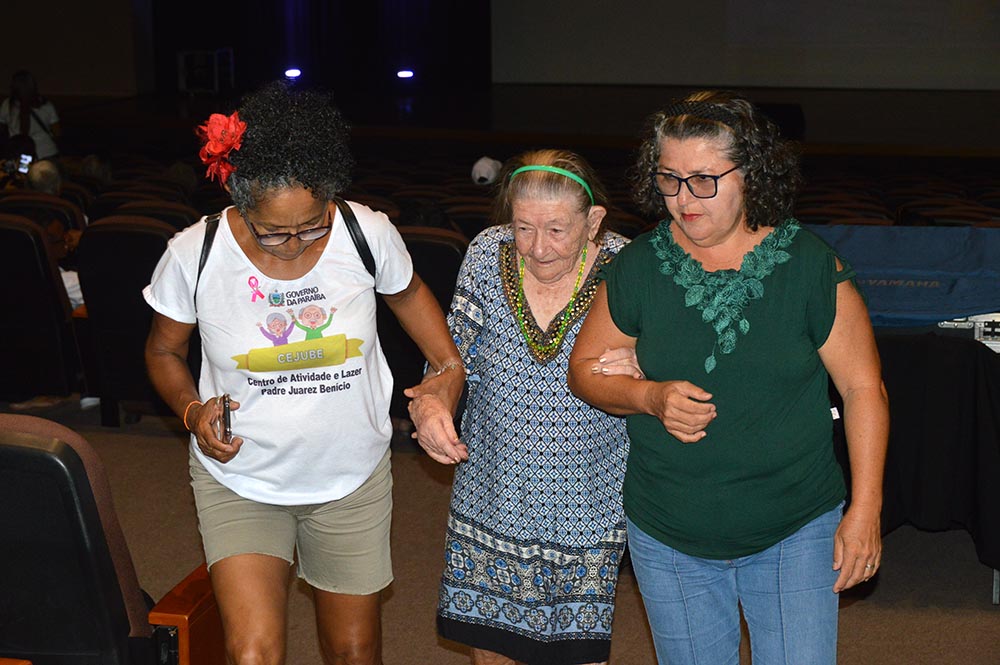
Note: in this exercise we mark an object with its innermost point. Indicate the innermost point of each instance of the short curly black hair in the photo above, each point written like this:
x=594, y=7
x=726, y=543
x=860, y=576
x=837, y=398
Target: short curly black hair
x=294, y=137
x=769, y=164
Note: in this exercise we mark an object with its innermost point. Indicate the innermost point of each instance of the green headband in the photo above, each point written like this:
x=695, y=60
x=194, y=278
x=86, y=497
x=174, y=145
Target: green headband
x=556, y=169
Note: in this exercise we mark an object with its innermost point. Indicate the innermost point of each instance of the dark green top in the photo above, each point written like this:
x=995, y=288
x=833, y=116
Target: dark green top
x=750, y=338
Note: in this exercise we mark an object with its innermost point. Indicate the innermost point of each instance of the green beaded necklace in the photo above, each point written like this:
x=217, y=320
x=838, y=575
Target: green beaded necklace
x=543, y=349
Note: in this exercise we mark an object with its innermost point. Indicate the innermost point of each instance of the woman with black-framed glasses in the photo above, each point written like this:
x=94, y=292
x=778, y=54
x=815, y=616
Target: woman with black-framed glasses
x=304, y=476
x=739, y=317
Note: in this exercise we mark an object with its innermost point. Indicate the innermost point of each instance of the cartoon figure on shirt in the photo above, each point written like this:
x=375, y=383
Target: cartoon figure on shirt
x=311, y=319
x=277, y=330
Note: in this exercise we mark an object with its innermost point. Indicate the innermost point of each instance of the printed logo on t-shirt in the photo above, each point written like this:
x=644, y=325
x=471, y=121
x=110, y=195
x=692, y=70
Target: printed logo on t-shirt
x=300, y=339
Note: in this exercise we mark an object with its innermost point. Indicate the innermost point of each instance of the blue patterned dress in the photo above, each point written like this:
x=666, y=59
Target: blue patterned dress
x=535, y=530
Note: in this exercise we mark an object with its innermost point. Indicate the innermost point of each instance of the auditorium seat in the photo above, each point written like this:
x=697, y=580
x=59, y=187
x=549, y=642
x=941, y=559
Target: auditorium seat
x=437, y=255
x=861, y=206
x=483, y=199
x=924, y=211
x=178, y=215
x=376, y=202
x=625, y=223
x=71, y=595
x=821, y=214
x=862, y=221
x=36, y=327
x=117, y=256
x=960, y=215
x=109, y=201
x=76, y=194
x=470, y=218
x=44, y=208
x=161, y=192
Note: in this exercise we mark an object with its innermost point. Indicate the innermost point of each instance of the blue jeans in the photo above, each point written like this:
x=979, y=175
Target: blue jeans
x=786, y=592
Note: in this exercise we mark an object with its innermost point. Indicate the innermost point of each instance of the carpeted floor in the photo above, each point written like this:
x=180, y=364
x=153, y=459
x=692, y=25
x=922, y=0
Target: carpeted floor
x=929, y=604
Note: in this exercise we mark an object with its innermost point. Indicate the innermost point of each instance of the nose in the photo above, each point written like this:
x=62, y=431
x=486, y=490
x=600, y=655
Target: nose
x=539, y=246
x=684, y=196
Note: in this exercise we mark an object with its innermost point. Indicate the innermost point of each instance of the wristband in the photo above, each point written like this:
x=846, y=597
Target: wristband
x=184, y=419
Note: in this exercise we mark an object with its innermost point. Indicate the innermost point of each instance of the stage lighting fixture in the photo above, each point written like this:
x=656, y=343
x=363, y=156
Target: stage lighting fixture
x=293, y=73
x=404, y=74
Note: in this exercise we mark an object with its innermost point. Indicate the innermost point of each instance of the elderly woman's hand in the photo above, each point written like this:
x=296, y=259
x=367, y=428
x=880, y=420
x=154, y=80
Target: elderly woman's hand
x=682, y=407
x=205, y=425
x=620, y=361
x=435, y=427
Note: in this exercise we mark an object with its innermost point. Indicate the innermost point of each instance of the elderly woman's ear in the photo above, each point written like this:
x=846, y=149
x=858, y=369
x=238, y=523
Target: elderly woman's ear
x=594, y=218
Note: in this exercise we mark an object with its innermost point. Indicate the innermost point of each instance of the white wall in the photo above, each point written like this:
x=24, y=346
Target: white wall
x=859, y=44
x=78, y=47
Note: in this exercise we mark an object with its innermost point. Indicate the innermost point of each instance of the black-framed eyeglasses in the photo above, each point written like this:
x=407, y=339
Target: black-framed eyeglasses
x=305, y=235
x=701, y=185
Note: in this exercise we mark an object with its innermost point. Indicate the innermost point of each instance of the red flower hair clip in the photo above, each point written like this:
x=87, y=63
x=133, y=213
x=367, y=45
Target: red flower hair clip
x=220, y=136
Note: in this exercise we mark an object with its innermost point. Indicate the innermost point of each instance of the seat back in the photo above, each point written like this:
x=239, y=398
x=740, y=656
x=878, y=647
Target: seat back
x=437, y=255
x=70, y=592
x=35, y=325
x=44, y=208
x=178, y=215
x=117, y=256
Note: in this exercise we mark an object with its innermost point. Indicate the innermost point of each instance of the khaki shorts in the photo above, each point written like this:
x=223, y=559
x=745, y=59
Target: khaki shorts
x=342, y=546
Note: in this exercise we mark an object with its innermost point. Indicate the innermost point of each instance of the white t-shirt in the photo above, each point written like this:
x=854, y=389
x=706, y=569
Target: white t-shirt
x=45, y=145
x=314, y=390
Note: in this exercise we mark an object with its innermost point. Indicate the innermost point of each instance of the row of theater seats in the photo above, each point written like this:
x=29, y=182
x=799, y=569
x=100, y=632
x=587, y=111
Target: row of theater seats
x=458, y=204
x=146, y=207
x=70, y=594
x=901, y=200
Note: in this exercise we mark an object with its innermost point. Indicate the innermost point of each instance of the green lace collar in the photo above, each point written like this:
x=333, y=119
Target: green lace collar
x=721, y=296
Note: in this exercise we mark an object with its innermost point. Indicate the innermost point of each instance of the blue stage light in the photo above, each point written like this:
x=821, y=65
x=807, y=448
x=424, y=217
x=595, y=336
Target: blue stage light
x=293, y=73
x=404, y=74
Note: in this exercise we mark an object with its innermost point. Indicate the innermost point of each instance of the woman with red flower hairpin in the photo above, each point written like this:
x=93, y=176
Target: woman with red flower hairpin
x=302, y=472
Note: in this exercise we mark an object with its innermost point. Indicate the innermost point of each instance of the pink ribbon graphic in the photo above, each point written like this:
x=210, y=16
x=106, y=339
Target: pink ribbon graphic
x=256, y=293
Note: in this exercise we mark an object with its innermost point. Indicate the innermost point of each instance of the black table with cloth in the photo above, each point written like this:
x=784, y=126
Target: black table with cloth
x=943, y=465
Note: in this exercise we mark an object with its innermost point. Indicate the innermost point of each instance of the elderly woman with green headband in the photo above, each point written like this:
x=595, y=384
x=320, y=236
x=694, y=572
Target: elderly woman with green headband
x=535, y=531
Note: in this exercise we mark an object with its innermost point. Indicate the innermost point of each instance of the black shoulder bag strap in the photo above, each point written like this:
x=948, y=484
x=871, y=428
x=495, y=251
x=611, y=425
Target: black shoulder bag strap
x=360, y=243
x=211, y=226
x=357, y=236
x=41, y=122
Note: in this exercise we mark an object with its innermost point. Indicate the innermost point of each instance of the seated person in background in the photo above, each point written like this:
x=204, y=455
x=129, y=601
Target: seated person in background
x=43, y=176
x=485, y=170
x=183, y=175
x=63, y=242
x=97, y=167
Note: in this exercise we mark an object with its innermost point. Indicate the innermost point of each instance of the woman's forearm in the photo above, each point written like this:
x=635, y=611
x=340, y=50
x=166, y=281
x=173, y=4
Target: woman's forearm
x=866, y=425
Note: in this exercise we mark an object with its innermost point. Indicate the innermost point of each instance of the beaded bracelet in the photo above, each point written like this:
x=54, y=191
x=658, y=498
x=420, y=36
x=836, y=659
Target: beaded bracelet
x=188, y=408
x=455, y=364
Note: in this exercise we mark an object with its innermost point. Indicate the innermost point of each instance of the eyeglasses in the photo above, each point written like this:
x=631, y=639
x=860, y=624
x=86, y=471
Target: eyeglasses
x=700, y=185
x=305, y=235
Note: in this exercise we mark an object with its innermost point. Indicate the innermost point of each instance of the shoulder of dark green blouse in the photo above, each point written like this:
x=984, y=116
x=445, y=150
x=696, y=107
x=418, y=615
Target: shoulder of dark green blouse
x=633, y=256
x=812, y=257
x=809, y=242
